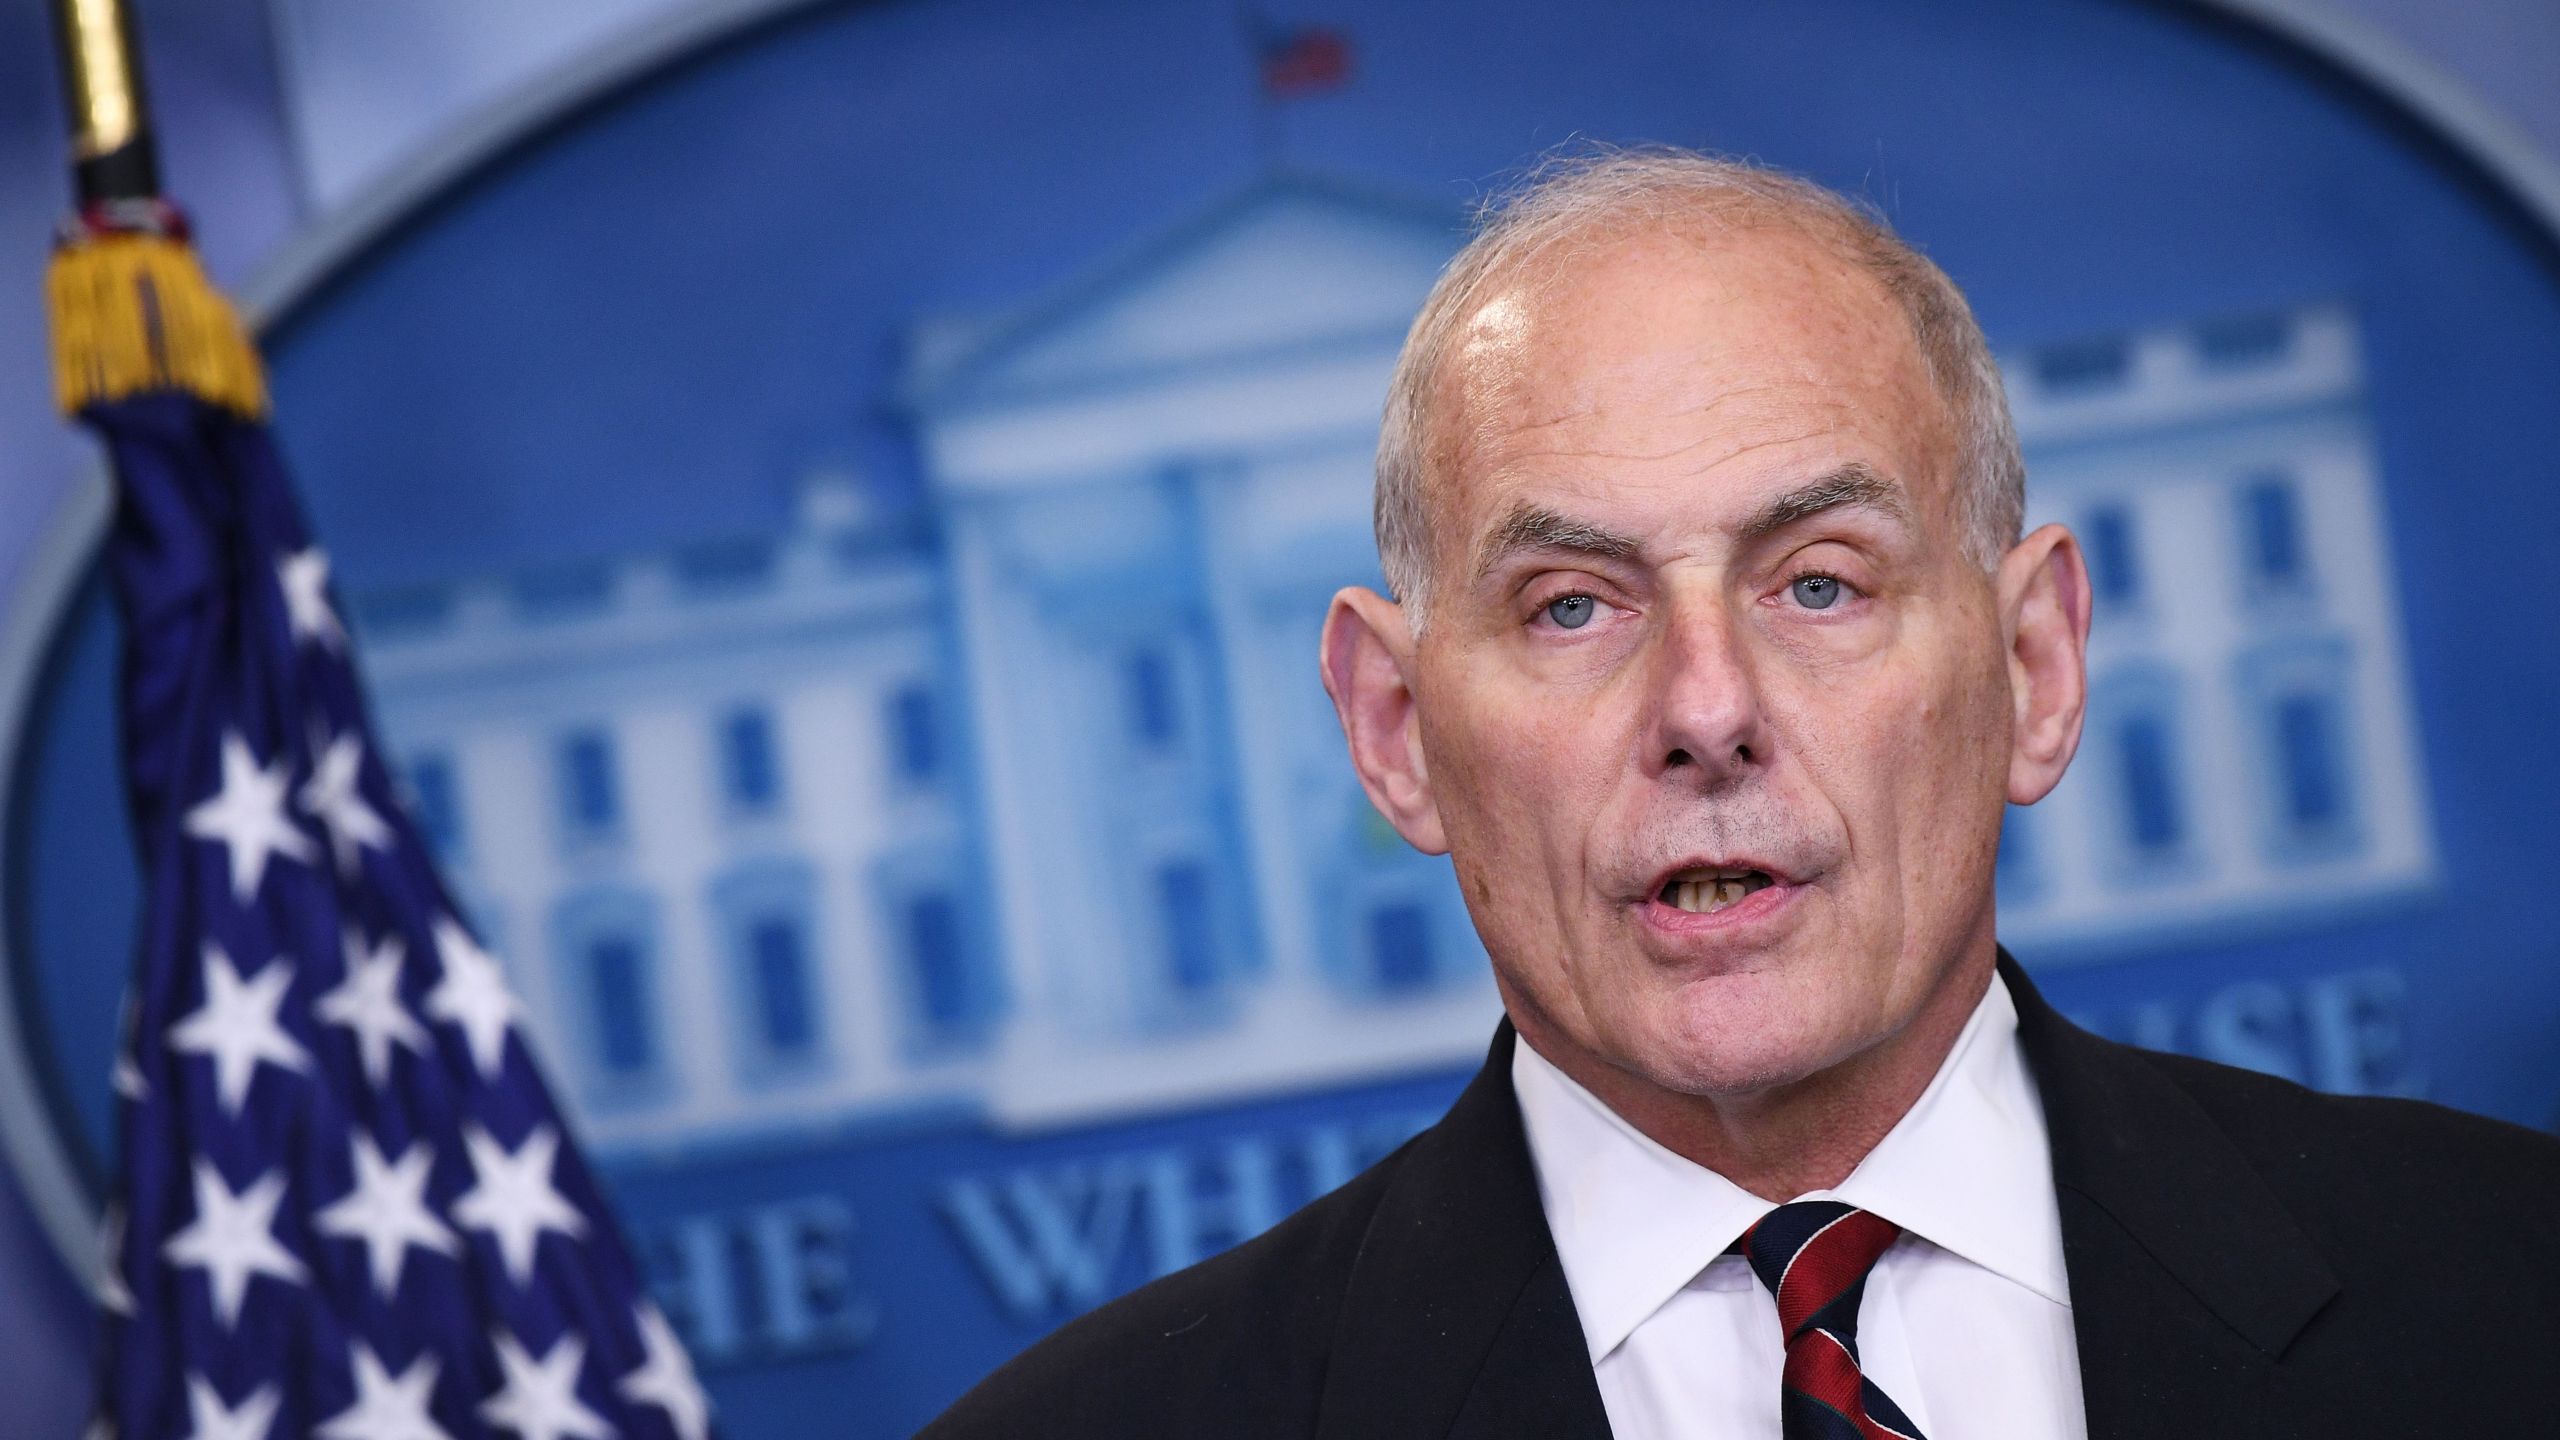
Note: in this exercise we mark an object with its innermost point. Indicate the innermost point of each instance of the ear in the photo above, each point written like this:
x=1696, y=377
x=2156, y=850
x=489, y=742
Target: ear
x=1367, y=659
x=2043, y=587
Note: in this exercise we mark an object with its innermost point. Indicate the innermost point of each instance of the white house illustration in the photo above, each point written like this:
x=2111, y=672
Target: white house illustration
x=1024, y=803
x=2250, y=750
x=1150, y=486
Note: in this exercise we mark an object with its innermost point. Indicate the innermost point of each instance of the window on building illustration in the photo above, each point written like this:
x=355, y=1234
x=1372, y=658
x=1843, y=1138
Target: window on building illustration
x=2115, y=570
x=2307, y=739
x=2081, y=366
x=1185, y=910
x=1400, y=946
x=778, y=964
x=2155, y=822
x=939, y=962
x=2271, y=521
x=915, y=745
x=750, y=771
x=2299, y=690
x=590, y=791
x=2245, y=342
x=1154, y=715
x=617, y=987
x=433, y=803
x=765, y=915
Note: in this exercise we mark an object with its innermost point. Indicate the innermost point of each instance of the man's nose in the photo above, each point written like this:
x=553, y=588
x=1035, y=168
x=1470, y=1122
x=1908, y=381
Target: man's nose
x=1707, y=715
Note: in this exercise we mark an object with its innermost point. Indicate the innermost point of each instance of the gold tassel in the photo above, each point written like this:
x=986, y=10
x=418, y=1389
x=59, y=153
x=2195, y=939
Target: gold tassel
x=135, y=313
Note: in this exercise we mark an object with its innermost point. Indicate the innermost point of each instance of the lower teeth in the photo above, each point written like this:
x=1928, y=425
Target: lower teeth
x=1706, y=897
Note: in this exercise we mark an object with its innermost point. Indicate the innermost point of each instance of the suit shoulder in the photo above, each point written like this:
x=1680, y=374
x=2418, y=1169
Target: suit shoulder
x=2395, y=1161
x=2269, y=1113
x=1237, y=1342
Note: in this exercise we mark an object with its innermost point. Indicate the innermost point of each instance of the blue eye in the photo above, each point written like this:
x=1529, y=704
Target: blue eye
x=1571, y=612
x=1816, y=592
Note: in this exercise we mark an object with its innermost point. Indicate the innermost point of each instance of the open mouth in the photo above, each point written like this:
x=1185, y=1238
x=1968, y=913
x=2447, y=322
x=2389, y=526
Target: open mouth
x=1703, y=892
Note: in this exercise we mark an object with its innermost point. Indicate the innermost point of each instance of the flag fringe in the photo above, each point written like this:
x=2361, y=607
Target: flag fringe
x=134, y=313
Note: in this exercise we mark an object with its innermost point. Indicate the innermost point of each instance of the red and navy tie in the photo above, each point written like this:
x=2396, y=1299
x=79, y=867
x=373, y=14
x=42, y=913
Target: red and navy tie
x=1814, y=1256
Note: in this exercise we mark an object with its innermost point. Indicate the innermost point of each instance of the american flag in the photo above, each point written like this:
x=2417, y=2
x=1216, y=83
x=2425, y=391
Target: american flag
x=1302, y=61
x=346, y=1205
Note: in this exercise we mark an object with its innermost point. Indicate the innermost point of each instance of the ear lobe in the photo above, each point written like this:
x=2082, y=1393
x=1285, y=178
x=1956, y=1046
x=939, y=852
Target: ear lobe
x=2044, y=603
x=1366, y=659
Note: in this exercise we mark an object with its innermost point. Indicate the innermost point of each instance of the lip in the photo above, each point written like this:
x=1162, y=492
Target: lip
x=1762, y=907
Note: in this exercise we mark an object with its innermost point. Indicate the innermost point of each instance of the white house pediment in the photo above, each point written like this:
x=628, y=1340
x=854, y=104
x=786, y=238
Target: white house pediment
x=1293, y=265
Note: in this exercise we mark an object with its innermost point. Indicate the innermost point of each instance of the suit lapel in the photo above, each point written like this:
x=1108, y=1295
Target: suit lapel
x=1457, y=1321
x=2188, y=1279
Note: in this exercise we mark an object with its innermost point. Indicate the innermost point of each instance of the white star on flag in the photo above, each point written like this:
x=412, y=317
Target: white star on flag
x=367, y=1002
x=387, y=1407
x=473, y=995
x=666, y=1378
x=114, y=1296
x=303, y=576
x=231, y=1239
x=514, y=1200
x=540, y=1400
x=387, y=1210
x=236, y=1025
x=334, y=795
x=212, y=1420
x=247, y=816
x=126, y=1079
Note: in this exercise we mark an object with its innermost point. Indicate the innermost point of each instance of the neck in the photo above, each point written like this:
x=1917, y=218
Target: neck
x=1792, y=1138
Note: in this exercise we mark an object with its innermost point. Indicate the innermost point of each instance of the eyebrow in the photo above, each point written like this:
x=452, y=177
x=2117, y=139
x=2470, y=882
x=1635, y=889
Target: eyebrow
x=1535, y=529
x=1852, y=484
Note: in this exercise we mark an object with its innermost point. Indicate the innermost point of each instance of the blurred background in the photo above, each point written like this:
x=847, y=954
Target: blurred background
x=836, y=499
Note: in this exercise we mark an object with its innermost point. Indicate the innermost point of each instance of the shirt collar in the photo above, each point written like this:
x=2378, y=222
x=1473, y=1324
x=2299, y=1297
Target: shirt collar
x=1967, y=1168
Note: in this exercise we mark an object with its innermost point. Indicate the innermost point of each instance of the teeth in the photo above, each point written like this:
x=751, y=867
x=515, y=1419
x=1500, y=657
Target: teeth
x=1706, y=896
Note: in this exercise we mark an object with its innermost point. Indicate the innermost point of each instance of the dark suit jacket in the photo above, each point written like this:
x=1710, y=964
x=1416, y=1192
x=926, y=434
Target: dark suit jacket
x=2247, y=1258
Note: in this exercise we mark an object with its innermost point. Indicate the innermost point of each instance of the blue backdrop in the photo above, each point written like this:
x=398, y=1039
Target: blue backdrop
x=837, y=530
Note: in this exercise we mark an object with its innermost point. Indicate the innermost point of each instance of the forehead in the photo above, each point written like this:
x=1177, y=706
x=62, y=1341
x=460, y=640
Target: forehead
x=1661, y=360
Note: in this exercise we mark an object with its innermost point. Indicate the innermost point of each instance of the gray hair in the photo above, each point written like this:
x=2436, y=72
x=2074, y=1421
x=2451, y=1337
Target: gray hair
x=1570, y=202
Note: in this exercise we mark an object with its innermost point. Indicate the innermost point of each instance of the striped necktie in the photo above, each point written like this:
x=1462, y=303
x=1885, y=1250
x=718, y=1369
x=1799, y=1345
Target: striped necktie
x=1814, y=1256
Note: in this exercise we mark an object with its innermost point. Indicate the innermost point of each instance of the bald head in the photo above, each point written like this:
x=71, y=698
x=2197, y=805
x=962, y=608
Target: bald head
x=1537, y=263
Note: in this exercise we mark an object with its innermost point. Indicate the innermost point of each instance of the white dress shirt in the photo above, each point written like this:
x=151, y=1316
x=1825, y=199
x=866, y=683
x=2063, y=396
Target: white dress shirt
x=1966, y=1321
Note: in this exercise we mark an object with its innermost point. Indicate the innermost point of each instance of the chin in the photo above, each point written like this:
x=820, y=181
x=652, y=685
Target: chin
x=1735, y=1047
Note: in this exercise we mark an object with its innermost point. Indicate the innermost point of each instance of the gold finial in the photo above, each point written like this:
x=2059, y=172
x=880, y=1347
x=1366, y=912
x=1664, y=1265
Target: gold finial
x=102, y=81
x=103, y=102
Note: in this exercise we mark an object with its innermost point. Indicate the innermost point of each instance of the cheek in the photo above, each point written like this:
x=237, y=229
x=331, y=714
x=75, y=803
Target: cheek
x=1953, y=760
x=1904, y=746
x=1519, y=787
x=1514, y=763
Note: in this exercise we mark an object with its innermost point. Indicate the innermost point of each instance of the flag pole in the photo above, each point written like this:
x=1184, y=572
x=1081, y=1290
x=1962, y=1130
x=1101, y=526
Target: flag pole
x=132, y=309
x=246, y=738
x=112, y=155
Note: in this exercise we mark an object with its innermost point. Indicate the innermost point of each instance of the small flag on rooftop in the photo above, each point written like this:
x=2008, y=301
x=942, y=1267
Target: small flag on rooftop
x=345, y=1204
x=1303, y=60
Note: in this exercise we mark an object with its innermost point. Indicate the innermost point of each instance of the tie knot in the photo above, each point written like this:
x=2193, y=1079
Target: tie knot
x=1814, y=1256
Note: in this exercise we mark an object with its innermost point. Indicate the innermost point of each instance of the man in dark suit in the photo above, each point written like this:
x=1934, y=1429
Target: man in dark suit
x=1716, y=655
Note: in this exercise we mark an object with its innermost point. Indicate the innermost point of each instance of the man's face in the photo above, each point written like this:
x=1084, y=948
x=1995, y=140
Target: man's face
x=1715, y=711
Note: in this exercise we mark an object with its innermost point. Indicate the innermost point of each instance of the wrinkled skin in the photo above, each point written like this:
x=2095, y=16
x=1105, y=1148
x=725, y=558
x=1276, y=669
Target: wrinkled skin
x=1841, y=699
